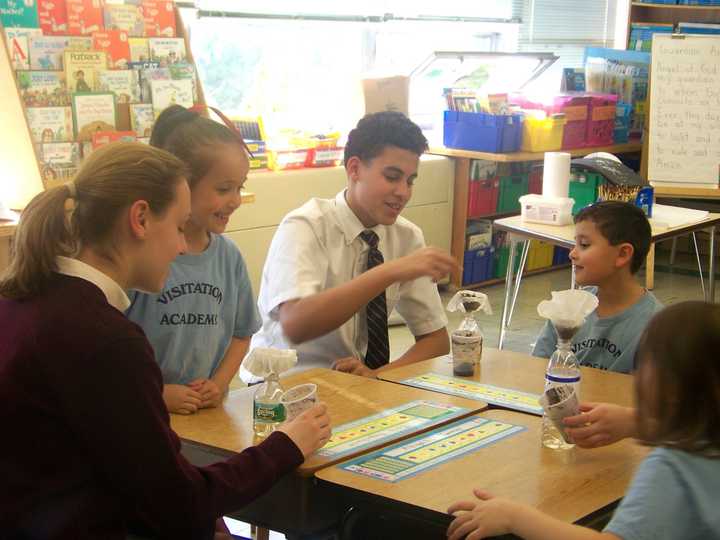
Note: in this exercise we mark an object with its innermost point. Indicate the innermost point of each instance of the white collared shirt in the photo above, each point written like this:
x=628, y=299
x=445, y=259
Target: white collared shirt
x=114, y=293
x=317, y=247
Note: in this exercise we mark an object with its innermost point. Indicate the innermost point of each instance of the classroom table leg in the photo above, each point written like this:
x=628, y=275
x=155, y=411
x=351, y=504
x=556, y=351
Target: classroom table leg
x=710, y=297
x=508, y=290
x=573, y=284
x=259, y=533
x=700, y=266
x=518, y=278
x=650, y=268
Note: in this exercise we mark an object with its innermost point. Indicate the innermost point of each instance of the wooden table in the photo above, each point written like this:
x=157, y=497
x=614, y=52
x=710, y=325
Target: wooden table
x=213, y=434
x=526, y=373
x=564, y=236
x=568, y=485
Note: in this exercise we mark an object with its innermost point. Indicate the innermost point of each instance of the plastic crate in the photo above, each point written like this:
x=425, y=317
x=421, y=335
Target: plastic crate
x=601, y=123
x=584, y=189
x=502, y=254
x=542, y=134
x=535, y=179
x=478, y=265
x=511, y=189
x=561, y=256
x=484, y=195
x=540, y=255
x=575, y=109
x=482, y=132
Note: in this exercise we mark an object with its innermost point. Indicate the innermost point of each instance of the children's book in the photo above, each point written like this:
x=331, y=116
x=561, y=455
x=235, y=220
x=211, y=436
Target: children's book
x=121, y=82
x=93, y=112
x=142, y=118
x=167, y=50
x=19, y=14
x=18, y=41
x=115, y=43
x=79, y=43
x=139, y=49
x=125, y=17
x=43, y=88
x=84, y=17
x=101, y=138
x=183, y=71
x=159, y=18
x=147, y=76
x=52, y=15
x=166, y=93
x=58, y=162
x=81, y=69
x=46, y=52
x=50, y=124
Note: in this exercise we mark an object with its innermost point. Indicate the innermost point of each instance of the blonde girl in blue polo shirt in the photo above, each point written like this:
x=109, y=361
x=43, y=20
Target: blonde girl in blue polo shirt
x=674, y=494
x=201, y=322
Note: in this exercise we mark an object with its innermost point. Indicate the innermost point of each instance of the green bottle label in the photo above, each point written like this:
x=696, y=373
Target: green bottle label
x=268, y=413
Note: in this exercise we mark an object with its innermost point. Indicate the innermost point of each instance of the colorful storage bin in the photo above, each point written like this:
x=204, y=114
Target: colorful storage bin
x=601, y=124
x=575, y=109
x=540, y=255
x=511, y=189
x=483, y=197
x=502, y=254
x=478, y=265
x=542, y=133
x=584, y=189
x=482, y=132
x=561, y=256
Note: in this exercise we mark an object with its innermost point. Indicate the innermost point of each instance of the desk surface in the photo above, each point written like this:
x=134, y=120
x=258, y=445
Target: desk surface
x=568, y=485
x=531, y=156
x=525, y=373
x=565, y=235
x=348, y=397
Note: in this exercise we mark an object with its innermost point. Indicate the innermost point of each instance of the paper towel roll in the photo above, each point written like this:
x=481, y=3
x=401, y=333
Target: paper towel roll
x=556, y=174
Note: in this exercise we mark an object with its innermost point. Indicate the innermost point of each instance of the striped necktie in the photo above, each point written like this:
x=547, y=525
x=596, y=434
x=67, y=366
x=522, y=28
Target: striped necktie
x=378, y=350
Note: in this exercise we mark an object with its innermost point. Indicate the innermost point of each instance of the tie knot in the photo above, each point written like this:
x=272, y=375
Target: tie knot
x=370, y=237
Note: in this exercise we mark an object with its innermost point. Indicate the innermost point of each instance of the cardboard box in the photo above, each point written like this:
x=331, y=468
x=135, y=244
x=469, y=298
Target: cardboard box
x=386, y=94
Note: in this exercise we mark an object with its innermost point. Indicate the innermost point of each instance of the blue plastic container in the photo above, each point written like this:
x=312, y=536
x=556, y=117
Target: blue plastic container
x=482, y=132
x=478, y=265
x=561, y=256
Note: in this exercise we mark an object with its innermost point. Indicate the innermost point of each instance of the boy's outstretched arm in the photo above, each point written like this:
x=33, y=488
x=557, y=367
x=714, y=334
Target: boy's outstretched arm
x=323, y=312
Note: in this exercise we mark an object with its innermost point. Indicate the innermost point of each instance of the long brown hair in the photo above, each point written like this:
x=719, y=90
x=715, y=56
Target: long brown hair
x=192, y=137
x=85, y=212
x=678, y=380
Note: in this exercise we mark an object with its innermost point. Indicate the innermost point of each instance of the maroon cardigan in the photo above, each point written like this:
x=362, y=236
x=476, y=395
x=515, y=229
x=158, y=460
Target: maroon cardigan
x=87, y=450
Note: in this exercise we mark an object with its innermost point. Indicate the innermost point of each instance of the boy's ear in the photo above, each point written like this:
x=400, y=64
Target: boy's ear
x=352, y=167
x=625, y=255
x=138, y=216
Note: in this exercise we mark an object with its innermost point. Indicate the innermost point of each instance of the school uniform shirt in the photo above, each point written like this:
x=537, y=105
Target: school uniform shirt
x=605, y=343
x=317, y=247
x=89, y=453
x=207, y=300
x=673, y=496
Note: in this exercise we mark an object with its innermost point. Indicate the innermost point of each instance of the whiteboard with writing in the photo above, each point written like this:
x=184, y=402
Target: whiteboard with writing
x=684, y=143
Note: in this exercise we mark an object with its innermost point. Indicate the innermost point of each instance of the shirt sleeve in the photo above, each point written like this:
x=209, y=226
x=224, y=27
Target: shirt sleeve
x=124, y=427
x=546, y=342
x=296, y=265
x=247, y=321
x=656, y=507
x=419, y=302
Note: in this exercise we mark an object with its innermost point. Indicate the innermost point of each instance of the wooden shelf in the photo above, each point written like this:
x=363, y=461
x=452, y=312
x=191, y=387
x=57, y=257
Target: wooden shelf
x=675, y=6
x=662, y=13
x=494, y=216
x=514, y=157
x=496, y=281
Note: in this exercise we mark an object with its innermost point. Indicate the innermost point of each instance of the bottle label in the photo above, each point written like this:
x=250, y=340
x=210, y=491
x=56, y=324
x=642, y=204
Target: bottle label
x=572, y=379
x=268, y=413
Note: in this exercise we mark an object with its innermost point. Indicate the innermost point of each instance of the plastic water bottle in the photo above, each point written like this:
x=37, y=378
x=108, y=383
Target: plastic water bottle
x=562, y=370
x=268, y=411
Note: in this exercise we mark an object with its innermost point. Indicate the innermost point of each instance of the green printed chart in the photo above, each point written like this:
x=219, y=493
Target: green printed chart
x=495, y=395
x=409, y=458
x=388, y=424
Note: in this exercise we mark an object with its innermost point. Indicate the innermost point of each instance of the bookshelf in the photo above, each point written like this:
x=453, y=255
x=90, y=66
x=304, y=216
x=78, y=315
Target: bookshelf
x=640, y=12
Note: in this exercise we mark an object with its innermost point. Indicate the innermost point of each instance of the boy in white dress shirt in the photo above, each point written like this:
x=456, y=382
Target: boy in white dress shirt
x=337, y=267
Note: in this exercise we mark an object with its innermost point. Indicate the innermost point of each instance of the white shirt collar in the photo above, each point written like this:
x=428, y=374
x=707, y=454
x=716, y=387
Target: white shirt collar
x=115, y=295
x=349, y=222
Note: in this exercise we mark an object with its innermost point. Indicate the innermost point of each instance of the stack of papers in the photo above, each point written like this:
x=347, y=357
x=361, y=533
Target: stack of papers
x=669, y=217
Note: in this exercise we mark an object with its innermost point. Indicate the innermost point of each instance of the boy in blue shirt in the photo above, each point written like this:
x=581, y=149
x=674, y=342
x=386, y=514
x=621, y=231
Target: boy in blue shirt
x=612, y=241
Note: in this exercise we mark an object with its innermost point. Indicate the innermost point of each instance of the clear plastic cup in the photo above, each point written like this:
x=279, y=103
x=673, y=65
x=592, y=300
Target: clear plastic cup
x=298, y=399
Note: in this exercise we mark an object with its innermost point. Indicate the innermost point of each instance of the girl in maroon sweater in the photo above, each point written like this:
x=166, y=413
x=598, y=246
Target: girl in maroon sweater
x=82, y=459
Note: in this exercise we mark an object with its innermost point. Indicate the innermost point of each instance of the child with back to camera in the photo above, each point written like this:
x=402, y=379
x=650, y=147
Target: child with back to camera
x=674, y=492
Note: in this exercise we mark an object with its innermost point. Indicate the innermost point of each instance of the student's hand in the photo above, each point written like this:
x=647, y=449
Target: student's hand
x=354, y=366
x=210, y=392
x=429, y=261
x=600, y=424
x=181, y=399
x=309, y=431
x=490, y=516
